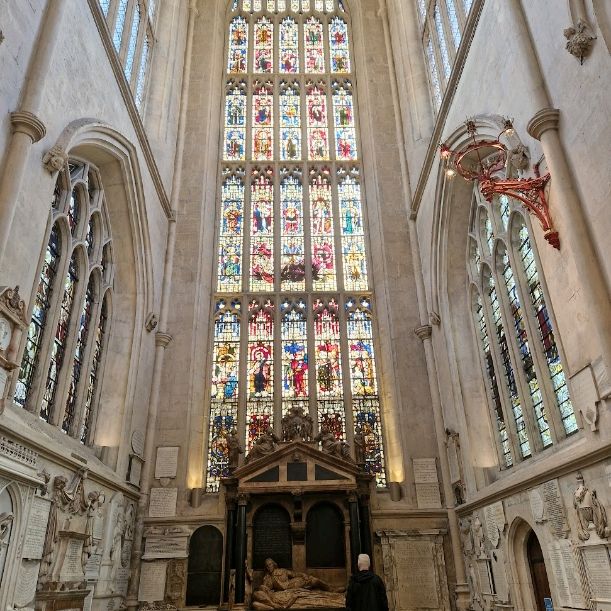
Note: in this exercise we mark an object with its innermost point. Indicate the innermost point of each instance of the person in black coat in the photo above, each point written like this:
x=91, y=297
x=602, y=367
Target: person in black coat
x=366, y=591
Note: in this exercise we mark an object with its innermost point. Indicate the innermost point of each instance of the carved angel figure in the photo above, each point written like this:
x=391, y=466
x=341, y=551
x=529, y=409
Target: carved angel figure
x=235, y=449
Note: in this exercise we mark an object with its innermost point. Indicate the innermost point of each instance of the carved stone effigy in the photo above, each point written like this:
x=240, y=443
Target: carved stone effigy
x=265, y=445
x=286, y=589
x=331, y=445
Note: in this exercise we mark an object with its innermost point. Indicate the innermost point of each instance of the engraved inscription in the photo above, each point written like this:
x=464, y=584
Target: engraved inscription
x=416, y=574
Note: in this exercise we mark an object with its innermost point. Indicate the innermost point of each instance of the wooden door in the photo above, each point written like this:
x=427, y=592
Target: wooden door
x=537, y=571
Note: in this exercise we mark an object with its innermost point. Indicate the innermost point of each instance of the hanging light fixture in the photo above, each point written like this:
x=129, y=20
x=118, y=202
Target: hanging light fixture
x=484, y=161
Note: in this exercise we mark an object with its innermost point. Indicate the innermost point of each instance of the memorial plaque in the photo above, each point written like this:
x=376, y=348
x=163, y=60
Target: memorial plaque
x=98, y=528
x=554, y=508
x=428, y=496
x=138, y=442
x=166, y=464
x=37, y=528
x=92, y=568
x=72, y=567
x=425, y=471
x=162, y=503
x=135, y=470
x=3, y=378
x=497, y=563
x=494, y=519
x=483, y=570
x=166, y=547
x=25, y=589
x=598, y=567
x=122, y=580
x=416, y=573
x=568, y=587
x=152, y=581
x=454, y=462
x=272, y=537
x=537, y=507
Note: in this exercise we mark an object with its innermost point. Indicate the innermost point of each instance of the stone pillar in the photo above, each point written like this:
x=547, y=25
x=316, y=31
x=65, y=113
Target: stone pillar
x=365, y=527
x=27, y=127
x=355, y=531
x=240, y=550
x=544, y=127
x=229, y=548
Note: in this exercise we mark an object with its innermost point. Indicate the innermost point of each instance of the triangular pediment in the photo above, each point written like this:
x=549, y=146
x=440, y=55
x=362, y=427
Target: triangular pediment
x=294, y=465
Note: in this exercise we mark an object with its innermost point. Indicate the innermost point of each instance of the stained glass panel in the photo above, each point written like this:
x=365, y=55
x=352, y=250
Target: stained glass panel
x=343, y=113
x=338, y=43
x=264, y=46
x=40, y=311
x=235, y=122
x=262, y=231
x=546, y=334
x=292, y=262
x=318, y=130
x=58, y=349
x=352, y=231
x=314, y=46
x=290, y=122
x=294, y=355
x=238, y=46
x=260, y=395
x=323, y=246
x=289, y=46
x=433, y=74
x=231, y=232
x=263, y=122
x=74, y=210
x=454, y=24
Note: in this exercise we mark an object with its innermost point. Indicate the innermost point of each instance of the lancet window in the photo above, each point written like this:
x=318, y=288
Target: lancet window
x=294, y=312
x=521, y=361
x=63, y=353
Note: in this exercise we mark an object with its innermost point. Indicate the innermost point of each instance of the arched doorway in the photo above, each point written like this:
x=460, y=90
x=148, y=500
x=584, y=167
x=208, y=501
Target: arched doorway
x=205, y=566
x=538, y=573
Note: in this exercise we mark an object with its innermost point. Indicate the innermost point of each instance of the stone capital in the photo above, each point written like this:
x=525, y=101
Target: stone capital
x=162, y=339
x=27, y=123
x=424, y=332
x=546, y=118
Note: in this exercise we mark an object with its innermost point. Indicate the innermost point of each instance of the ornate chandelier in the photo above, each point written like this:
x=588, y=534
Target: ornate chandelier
x=484, y=161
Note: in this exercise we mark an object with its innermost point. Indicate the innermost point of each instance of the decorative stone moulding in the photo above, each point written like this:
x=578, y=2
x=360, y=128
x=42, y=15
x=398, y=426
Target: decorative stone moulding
x=27, y=123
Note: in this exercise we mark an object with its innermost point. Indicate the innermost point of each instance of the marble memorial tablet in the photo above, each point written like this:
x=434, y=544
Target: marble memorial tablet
x=537, y=507
x=152, y=581
x=565, y=574
x=598, y=567
x=416, y=574
x=425, y=471
x=25, y=590
x=72, y=568
x=166, y=464
x=162, y=503
x=428, y=496
x=166, y=547
x=37, y=528
x=554, y=509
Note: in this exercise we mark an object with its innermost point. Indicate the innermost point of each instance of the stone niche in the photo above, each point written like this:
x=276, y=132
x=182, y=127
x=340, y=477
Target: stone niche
x=414, y=569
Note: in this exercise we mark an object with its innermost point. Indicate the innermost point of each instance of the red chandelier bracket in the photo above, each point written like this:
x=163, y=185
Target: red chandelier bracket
x=483, y=161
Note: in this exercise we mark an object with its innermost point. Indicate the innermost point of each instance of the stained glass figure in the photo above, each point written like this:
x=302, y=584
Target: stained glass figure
x=94, y=373
x=263, y=122
x=329, y=391
x=323, y=246
x=79, y=357
x=260, y=395
x=352, y=232
x=318, y=130
x=510, y=380
x=58, y=349
x=290, y=122
x=525, y=353
x=294, y=355
x=289, y=46
x=224, y=390
x=235, y=122
x=343, y=114
x=262, y=231
x=339, y=45
x=314, y=46
x=292, y=261
x=40, y=311
x=231, y=232
x=264, y=46
x=238, y=46
x=546, y=334
x=480, y=323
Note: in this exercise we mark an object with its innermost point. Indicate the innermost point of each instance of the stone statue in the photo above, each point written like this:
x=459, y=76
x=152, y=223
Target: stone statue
x=297, y=425
x=478, y=537
x=591, y=515
x=235, y=449
x=265, y=445
x=331, y=445
x=359, y=446
x=283, y=589
x=466, y=536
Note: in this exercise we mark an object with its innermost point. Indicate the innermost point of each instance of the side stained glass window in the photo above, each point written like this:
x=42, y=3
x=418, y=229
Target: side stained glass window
x=292, y=240
x=529, y=389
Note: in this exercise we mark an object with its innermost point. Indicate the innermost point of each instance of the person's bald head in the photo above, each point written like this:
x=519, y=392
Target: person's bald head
x=363, y=562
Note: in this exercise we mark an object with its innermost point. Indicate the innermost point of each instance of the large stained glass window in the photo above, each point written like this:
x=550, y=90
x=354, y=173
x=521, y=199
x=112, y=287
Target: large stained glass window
x=63, y=352
x=294, y=319
x=529, y=395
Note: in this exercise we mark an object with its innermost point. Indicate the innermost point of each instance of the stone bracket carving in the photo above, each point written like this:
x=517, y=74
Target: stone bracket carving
x=579, y=39
x=55, y=159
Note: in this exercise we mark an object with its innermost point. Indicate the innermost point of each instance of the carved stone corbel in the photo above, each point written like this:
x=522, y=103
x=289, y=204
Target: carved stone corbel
x=55, y=159
x=579, y=39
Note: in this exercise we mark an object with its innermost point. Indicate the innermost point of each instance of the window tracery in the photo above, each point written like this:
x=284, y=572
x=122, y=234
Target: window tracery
x=290, y=165
x=59, y=382
x=524, y=375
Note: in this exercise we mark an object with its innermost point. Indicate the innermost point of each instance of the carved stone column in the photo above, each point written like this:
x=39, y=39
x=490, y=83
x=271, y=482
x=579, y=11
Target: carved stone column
x=229, y=546
x=240, y=549
x=355, y=531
